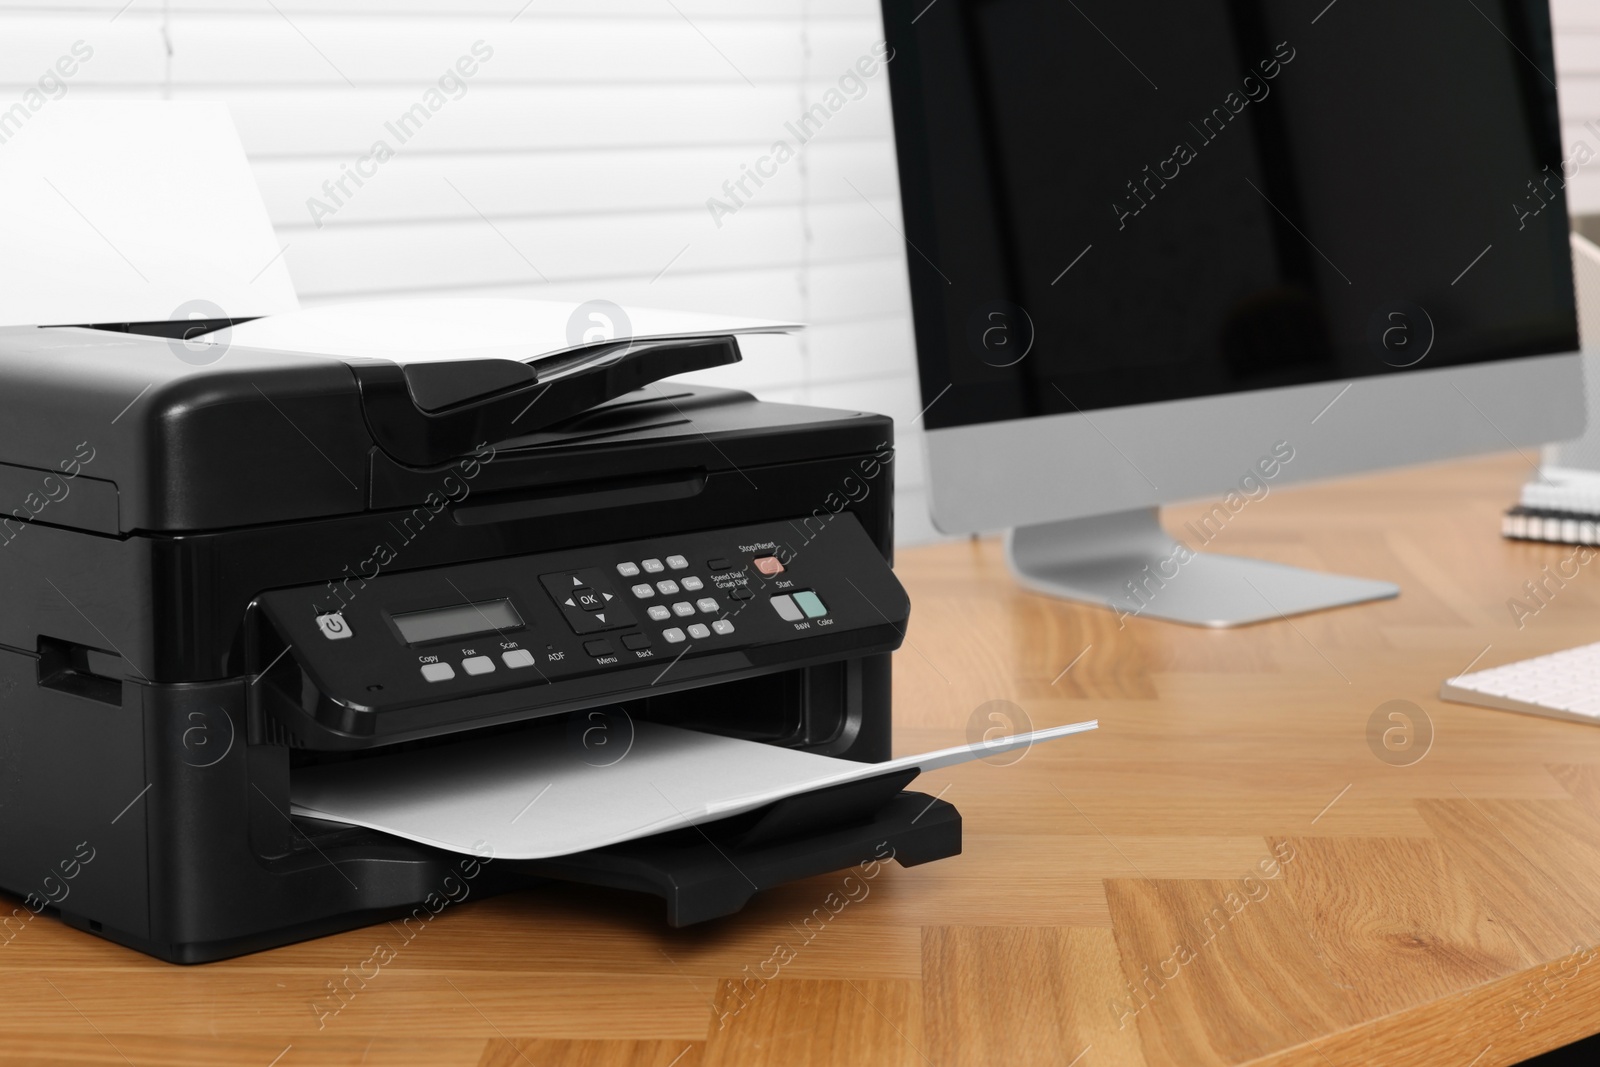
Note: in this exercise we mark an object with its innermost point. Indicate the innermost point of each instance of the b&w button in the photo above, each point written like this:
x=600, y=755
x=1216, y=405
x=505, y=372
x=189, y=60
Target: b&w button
x=438, y=672
x=627, y=570
x=723, y=626
x=653, y=566
x=683, y=607
x=706, y=604
x=667, y=587
x=660, y=612
x=677, y=563
x=674, y=636
x=692, y=584
x=644, y=590
x=699, y=630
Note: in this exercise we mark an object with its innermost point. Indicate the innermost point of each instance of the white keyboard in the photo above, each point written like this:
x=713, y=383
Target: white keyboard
x=1562, y=685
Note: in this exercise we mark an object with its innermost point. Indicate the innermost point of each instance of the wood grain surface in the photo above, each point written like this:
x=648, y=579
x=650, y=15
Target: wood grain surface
x=1233, y=869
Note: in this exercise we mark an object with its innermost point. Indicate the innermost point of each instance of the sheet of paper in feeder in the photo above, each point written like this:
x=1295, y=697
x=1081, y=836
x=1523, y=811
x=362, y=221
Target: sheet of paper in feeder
x=441, y=329
x=553, y=791
x=133, y=211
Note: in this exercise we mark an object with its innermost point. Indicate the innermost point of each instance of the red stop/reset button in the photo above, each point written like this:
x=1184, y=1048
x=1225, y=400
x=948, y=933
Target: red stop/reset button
x=768, y=565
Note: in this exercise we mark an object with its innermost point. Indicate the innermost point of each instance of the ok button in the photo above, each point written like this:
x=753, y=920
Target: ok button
x=588, y=599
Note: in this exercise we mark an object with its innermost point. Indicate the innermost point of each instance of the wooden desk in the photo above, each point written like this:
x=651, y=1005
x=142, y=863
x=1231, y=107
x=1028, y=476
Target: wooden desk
x=1444, y=912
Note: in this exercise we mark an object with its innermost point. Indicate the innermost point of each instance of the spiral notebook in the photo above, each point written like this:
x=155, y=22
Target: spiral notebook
x=1562, y=507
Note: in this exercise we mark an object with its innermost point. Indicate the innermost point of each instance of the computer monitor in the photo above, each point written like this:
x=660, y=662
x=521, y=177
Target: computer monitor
x=1174, y=249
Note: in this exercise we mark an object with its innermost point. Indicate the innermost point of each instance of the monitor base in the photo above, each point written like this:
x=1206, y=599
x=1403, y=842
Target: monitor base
x=1128, y=563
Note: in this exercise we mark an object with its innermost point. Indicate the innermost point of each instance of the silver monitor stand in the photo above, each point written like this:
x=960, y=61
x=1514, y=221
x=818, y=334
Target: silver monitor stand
x=1128, y=563
x=1080, y=490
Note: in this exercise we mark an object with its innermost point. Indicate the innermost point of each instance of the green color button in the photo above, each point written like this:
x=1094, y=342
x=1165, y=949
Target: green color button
x=811, y=604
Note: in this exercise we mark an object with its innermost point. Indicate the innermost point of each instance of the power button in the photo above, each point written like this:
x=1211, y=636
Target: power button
x=333, y=626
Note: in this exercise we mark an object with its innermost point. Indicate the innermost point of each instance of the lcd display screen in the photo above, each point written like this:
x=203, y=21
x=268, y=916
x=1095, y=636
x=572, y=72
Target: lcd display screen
x=462, y=620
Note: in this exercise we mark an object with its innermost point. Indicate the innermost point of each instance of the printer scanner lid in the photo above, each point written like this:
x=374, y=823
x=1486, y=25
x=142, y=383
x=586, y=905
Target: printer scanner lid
x=163, y=435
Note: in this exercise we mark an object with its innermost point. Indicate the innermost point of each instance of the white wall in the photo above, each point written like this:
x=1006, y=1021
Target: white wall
x=577, y=163
x=1577, y=25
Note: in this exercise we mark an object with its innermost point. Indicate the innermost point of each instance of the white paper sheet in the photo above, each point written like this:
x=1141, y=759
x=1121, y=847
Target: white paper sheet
x=442, y=329
x=133, y=211
x=543, y=792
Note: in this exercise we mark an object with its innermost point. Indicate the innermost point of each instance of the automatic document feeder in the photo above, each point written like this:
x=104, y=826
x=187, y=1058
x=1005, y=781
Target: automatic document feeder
x=222, y=576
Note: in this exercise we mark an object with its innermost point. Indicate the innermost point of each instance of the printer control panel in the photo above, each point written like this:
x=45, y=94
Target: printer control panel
x=416, y=649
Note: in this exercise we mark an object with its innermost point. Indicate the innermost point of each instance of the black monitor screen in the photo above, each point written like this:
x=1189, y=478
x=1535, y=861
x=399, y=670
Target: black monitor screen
x=1114, y=202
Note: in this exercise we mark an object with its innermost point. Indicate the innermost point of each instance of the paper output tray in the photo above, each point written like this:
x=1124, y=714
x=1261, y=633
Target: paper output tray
x=712, y=870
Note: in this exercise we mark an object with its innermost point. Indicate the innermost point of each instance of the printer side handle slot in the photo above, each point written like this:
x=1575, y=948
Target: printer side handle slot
x=80, y=670
x=544, y=393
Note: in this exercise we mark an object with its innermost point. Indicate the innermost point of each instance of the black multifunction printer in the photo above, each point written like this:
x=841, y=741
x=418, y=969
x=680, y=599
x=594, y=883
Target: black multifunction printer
x=221, y=570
